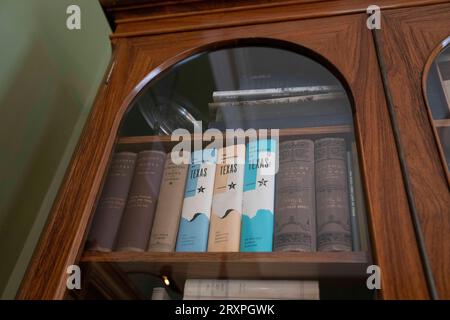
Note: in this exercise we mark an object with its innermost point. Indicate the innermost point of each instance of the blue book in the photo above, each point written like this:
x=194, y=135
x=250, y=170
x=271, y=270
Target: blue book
x=198, y=194
x=258, y=198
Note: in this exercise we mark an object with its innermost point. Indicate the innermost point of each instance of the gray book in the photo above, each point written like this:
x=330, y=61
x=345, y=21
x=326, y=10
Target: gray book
x=168, y=211
x=295, y=227
x=112, y=202
x=134, y=231
x=332, y=199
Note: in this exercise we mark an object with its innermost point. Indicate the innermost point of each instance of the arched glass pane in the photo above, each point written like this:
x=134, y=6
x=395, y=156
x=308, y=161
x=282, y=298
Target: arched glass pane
x=280, y=171
x=438, y=97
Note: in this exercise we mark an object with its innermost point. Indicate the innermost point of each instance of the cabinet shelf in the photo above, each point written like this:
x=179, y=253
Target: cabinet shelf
x=270, y=265
x=441, y=122
x=136, y=143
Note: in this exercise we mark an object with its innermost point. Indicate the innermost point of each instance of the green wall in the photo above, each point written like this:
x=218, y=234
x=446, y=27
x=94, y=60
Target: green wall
x=49, y=77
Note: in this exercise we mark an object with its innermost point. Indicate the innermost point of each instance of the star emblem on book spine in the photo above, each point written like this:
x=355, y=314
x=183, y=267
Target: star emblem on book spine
x=263, y=182
x=231, y=186
x=201, y=189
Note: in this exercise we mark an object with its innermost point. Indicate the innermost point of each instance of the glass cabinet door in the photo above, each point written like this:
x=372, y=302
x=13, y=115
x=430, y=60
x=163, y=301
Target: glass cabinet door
x=232, y=170
x=437, y=92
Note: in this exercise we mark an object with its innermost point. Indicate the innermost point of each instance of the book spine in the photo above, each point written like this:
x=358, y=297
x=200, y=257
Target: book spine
x=226, y=211
x=360, y=202
x=168, y=211
x=258, y=198
x=332, y=207
x=275, y=101
x=295, y=227
x=356, y=246
x=134, y=231
x=111, y=202
x=251, y=289
x=223, y=96
x=195, y=215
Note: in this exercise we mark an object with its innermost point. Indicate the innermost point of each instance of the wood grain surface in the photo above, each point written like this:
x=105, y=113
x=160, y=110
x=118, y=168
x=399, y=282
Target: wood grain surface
x=407, y=39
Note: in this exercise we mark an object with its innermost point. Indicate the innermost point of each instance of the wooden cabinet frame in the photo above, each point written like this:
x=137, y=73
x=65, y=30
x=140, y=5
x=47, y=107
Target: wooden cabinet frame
x=406, y=43
x=145, y=48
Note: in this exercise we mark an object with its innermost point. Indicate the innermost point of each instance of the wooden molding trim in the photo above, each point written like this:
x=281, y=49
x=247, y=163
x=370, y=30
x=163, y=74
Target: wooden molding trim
x=250, y=15
x=226, y=9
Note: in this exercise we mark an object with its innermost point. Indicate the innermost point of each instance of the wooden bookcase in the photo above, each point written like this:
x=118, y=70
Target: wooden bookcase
x=150, y=38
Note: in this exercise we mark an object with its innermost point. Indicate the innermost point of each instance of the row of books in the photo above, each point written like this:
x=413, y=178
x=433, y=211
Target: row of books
x=232, y=203
x=212, y=289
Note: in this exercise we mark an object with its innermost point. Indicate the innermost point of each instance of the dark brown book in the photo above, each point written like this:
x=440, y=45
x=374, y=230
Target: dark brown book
x=332, y=199
x=134, y=231
x=295, y=227
x=112, y=202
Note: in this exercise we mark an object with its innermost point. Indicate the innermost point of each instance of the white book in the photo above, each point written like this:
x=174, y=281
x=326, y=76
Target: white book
x=195, y=215
x=254, y=94
x=199, y=289
x=277, y=101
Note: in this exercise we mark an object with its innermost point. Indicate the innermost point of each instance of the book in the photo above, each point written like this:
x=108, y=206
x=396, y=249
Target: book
x=112, y=202
x=360, y=202
x=356, y=246
x=332, y=203
x=255, y=94
x=295, y=219
x=277, y=101
x=168, y=211
x=195, y=215
x=306, y=106
x=199, y=289
x=312, y=112
x=134, y=231
x=258, y=197
x=226, y=211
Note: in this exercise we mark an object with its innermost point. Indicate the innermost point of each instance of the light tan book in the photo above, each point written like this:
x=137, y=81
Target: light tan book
x=225, y=227
x=168, y=211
